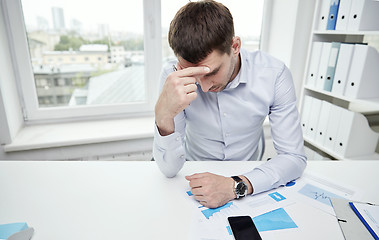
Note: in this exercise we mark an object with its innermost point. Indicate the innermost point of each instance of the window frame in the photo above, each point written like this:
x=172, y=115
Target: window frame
x=22, y=67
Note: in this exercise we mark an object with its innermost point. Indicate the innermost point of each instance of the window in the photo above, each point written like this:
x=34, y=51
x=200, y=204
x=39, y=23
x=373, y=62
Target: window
x=58, y=40
x=112, y=53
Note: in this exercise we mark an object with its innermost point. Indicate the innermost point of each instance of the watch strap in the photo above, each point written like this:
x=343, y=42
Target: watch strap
x=237, y=179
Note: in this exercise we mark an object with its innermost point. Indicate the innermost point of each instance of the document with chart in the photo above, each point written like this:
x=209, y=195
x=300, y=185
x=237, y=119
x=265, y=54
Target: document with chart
x=268, y=209
x=316, y=191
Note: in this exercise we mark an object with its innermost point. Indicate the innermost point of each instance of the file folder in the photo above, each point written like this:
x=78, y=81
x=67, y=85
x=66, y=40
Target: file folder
x=324, y=59
x=323, y=15
x=306, y=110
x=331, y=130
x=331, y=69
x=354, y=136
x=343, y=15
x=333, y=12
x=314, y=64
x=363, y=15
x=26, y=234
x=313, y=118
x=16, y=231
x=345, y=56
x=369, y=215
x=323, y=122
x=352, y=228
x=363, y=81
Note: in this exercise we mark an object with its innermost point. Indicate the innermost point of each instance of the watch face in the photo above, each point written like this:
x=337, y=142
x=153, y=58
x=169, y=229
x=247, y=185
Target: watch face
x=241, y=188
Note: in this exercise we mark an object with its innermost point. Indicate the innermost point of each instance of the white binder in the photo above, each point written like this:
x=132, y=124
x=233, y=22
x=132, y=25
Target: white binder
x=364, y=15
x=313, y=118
x=323, y=122
x=342, y=68
x=307, y=106
x=363, y=81
x=323, y=15
x=343, y=15
x=354, y=136
x=323, y=66
x=331, y=68
x=331, y=130
x=314, y=64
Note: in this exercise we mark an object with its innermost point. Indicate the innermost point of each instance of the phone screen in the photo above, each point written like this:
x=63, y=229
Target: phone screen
x=243, y=228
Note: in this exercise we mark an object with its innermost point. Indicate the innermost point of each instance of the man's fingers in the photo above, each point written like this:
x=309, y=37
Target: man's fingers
x=190, y=88
x=188, y=80
x=191, y=96
x=197, y=175
x=192, y=71
x=194, y=183
x=190, y=177
x=200, y=198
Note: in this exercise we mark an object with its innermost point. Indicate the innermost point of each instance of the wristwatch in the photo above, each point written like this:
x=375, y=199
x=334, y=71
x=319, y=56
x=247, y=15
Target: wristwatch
x=240, y=187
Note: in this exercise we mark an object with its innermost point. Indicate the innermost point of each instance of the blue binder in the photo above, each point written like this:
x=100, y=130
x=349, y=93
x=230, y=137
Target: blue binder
x=363, y=220
x=333, y=12
x=331, y=70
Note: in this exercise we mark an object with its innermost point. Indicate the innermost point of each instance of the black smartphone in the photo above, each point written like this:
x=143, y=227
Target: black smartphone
x=243, y=228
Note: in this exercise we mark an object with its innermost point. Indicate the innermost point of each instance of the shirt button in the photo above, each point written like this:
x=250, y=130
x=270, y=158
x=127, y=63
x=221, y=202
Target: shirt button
x=181, y=156
x=177, y=139
x=225, y=114
x=227, y=135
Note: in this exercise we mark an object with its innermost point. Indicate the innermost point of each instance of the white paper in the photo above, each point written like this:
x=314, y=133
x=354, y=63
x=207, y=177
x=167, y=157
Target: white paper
x=316, y=191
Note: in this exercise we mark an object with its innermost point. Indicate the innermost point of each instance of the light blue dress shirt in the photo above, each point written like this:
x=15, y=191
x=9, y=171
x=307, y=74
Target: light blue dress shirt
x=227, y=125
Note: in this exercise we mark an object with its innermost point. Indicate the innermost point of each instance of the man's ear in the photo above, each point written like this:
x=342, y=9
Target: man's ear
x=236, y=45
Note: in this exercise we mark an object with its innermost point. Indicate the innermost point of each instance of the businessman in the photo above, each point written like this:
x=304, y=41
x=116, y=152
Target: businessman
x=212, y=105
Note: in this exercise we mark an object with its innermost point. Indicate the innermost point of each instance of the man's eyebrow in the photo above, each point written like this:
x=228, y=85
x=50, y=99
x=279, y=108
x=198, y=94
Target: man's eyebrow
x=213, y=72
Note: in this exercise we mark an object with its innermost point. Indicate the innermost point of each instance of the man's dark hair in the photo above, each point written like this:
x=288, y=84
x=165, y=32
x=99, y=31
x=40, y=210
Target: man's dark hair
x=198, y=28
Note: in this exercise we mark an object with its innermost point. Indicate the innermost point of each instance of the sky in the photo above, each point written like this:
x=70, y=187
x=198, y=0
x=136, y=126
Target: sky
x=127, y=15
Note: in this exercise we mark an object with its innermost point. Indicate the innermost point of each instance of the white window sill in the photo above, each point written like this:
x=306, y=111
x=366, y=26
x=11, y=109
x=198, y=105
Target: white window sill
x=86, y=132
x=79, y=133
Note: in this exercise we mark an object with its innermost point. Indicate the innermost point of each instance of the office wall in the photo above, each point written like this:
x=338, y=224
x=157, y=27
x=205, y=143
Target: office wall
x=286, y=34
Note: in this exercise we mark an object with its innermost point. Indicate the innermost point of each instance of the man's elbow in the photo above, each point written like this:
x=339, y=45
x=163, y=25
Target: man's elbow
x=169, y=174
x=167, y=170
x=302, y=164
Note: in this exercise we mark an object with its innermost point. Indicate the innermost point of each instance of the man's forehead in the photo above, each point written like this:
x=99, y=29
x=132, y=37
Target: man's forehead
x=214, y=60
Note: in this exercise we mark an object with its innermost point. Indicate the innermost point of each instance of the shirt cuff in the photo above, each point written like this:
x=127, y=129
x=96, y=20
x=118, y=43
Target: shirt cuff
x=169, y=142
x=258, y=180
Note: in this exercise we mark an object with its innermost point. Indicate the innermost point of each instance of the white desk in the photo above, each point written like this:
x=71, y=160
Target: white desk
x=133, y=200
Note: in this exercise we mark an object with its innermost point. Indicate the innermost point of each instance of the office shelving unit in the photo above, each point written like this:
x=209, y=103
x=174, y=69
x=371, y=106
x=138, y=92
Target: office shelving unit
x=368, y=106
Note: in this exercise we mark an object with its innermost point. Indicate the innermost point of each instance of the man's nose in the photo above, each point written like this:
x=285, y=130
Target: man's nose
x=205, y=85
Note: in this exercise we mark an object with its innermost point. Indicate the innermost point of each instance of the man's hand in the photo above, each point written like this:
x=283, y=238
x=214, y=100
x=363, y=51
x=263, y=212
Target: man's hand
x=211, y=190
x=178, y=92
